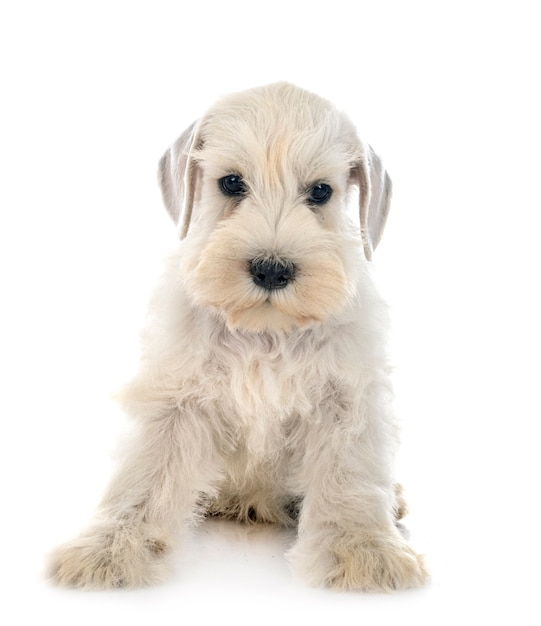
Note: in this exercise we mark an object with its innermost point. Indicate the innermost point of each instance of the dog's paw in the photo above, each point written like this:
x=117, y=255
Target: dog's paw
x=109, y=557
x=363, y=563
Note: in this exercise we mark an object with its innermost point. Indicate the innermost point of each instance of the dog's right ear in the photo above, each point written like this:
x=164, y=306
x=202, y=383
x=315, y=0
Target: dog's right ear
x=177, y=175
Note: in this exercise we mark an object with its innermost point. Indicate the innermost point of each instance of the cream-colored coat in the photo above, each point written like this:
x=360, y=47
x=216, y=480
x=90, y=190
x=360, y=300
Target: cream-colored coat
x=262, y=404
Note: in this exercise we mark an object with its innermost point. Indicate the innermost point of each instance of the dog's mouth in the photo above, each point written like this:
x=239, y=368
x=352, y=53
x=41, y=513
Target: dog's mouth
x=266, y=318
x=268, y=291
x=280, y=309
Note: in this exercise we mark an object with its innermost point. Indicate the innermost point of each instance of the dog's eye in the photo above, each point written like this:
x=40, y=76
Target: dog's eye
x=319, y=194
x=232, y=185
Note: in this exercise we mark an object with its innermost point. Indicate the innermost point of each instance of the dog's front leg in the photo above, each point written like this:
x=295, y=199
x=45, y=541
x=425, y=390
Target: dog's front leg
x=347, y=533
x=169, y=463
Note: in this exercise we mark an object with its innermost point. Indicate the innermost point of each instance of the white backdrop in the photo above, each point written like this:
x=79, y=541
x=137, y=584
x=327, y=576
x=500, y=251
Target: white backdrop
x=448, y=93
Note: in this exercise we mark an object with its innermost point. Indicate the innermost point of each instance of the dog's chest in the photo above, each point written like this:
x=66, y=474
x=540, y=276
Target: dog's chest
x=267, y=397
x=270, y=387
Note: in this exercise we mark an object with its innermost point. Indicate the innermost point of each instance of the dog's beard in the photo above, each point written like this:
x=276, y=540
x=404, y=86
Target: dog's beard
x=221, y=280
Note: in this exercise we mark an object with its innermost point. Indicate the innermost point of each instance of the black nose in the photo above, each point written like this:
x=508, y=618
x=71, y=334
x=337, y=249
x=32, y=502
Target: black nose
x=271, y=273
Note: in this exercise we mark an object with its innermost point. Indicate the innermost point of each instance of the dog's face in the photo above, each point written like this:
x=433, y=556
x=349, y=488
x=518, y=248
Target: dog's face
x=261, y=186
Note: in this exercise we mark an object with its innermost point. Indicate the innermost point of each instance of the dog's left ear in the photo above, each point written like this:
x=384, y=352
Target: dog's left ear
x=374, y=199
x=177, y=175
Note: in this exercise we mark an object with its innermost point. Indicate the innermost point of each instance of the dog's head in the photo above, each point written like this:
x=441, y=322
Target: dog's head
x=259, y=187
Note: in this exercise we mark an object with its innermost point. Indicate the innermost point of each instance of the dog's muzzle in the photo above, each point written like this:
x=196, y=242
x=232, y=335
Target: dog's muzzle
x=271, y=273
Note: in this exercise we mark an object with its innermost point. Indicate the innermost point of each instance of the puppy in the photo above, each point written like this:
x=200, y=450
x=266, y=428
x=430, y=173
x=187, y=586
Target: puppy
x=263, y=392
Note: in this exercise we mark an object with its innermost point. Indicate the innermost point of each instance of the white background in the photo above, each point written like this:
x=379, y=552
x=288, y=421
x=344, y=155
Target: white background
x=448, y=93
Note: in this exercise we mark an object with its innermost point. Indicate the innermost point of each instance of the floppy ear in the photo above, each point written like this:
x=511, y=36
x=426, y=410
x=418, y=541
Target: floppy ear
x=177, y=174
x=374, y=200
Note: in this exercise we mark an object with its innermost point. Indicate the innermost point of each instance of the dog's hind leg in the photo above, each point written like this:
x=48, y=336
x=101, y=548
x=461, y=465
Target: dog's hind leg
x=400, y=505
x=256, y=508
x=169, y=464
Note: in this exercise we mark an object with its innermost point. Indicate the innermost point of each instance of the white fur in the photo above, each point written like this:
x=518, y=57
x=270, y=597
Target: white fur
x=262, y=405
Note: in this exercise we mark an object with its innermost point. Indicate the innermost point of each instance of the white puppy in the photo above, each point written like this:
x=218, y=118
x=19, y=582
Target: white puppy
x=264, y=391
